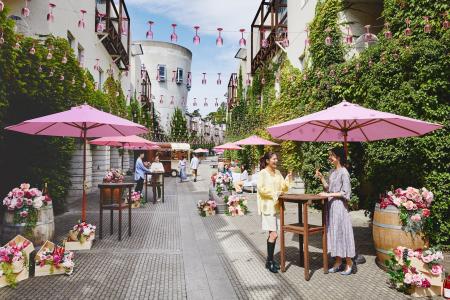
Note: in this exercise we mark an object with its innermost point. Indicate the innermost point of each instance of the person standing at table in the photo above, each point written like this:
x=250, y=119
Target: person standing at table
x=157, y=167
x=139, y=173
x=182, y=168
x=194, y=166
x=271, y=185
x=341, y=242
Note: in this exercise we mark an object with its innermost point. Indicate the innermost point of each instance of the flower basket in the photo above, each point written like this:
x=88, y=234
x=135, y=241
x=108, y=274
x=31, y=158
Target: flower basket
x=81, y=237
x=237, y=206
x=136, y=204
x=427, y=292
x=53, y=260
x=21, y=247
x=206, y=208
x=137, y=199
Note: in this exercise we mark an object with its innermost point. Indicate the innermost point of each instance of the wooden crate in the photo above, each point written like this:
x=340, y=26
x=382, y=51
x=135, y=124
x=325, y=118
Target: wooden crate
x=45, y=270
x=24, y=274
x=427, y=292
x=76, y=245
x=20, y=239
x=425, y=270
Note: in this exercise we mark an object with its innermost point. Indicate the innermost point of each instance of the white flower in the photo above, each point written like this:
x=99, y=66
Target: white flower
x=37, y=202
x=86, y=231
x=1, y=272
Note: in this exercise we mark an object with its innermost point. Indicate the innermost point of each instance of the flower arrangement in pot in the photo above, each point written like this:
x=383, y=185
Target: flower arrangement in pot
x=82, y=232
x=237, y=206
x=13, y=260
x=55, y=259
x=113, y=176
x=24, y=202
x=137, y=199
x=206, y=208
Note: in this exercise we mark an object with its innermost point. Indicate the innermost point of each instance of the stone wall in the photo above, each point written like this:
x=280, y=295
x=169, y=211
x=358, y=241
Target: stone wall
x=76, y=171
x=115, y=159
x=101, y=161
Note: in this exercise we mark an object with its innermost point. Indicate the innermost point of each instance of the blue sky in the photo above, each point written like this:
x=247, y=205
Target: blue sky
x=231, y=15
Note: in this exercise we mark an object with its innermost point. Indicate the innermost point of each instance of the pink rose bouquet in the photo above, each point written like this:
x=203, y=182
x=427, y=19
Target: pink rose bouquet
x=237, y=206
x=206, y=208
x=82, y=232
x=113, y=176
x=12, y=261
x=56, y=258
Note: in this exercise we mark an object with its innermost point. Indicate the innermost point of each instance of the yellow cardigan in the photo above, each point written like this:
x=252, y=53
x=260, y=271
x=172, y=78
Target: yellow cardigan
x=269, y=189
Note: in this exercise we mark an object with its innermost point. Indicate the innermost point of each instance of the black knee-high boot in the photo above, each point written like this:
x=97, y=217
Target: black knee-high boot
x=270, y=263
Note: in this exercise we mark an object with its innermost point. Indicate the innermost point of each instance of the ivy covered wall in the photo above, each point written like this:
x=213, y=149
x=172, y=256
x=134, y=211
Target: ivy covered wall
x=405, y=75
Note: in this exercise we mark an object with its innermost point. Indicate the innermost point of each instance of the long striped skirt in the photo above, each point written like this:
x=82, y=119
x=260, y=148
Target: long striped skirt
x=341, y=241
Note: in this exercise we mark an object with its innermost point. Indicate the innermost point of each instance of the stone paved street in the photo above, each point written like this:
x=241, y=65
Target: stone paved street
x=173, y=253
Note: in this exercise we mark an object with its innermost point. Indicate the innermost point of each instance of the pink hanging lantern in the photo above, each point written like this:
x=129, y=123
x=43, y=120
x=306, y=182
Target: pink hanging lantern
x=50, y=16
x=161, y=99
x=64, y=59
x=97, y=64
x=149, y=34
x=2, y=6
x=195, y=102
x=307, y=40
x=127, y=70
x=387, y=32
x=189, y=79
x=124, y=26
x=157, y=74
x=242, y=41
x=206, y=102
x=427, y=27
x=25, y=10
x=32, y=50
x=264, y=41
x=173, y=36
x=219, y=81
x=328, y=39
x=219, y=40
x=196, y=38
x=204, y=78
x=174, y=76
x=285, y=41
x=408, y=30
x=100, y=26
x=172, y=101
x=349, y=37
x=81, y=23
x=217, y=103
x=368, y=37
x=445, y=23
x=249, y=80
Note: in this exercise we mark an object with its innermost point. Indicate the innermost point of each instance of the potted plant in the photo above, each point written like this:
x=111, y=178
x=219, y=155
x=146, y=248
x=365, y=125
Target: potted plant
x=14, y=262
x=206, y=208
x=80, y=237
x=52, y=259
x=112, y=176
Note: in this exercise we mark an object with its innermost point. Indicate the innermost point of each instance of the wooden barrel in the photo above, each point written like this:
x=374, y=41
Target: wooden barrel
x=116, y=195
x=44, y=230
x=388, y=234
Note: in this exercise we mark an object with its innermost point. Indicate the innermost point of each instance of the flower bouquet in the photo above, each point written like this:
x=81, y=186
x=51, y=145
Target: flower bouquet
x=14, y=258
x=80, y=237
x=24, y=203
x=416, y=272
x=237, y=206
x=414, y=206
x=53, y=260
x=113, y=176
x=228, y=182
x=137, y=199
x=206, y=208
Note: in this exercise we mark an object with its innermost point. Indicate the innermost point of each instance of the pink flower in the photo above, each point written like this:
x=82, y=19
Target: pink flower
x=408, y=278
x=29, y=202
x=410, y=253
x=426, y=212
x=397, y=201
x=416, y=218
x=398, y=251
x=24, y=214
x=436, y=270
x=19, y=203
x=417, y=279
x=425, y=283
x=426, y=259
x=409, y=205
x=25, y=187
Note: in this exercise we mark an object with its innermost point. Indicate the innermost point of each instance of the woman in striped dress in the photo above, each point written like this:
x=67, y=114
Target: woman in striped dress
x=341, y=243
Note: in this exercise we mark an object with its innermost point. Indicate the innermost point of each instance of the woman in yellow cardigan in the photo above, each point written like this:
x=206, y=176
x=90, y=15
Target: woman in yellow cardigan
x=271, y=185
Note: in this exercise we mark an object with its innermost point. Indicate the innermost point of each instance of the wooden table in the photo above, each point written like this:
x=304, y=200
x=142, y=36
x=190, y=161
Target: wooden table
x=115, y=197
x=154, y=184
x=303, y=229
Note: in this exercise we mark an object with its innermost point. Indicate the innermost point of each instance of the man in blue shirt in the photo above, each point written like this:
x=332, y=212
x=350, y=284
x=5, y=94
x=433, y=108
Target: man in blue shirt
x=139, y=173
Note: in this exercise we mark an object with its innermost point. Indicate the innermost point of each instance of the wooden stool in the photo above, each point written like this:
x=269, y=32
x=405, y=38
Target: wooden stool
x=303, y=229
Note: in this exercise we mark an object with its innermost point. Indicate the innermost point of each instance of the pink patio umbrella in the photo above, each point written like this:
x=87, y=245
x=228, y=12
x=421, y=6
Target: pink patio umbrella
x=255, y=141
x=200, y=150
x=228, y=146
x=83, y=122
x=347, y=122
x=124, y=142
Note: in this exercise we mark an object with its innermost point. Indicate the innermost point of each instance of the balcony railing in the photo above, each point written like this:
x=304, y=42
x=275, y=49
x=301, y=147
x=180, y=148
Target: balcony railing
x=113, y=30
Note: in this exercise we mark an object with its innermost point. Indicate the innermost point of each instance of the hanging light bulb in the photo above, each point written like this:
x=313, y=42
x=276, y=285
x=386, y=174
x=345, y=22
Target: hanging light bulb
x=219, y=40
x=110, y=71
x=40, y=69
x=445, y=23
x=2, y=6
x=173, y=36
x=49, y=54
x=172, y=102
x=328, y=39
x=97, y=64
x=81, y=23
x=84, y=85
x=263, y=80
x=242, y=41
x=25, y=10
x=32, y=50
x=196, y=38
x=387, y=32
x=264, y=41
x=117, y=94
x=408, y=30
x=161, y=100
x=219, y=81
x=100, y=26
x=249, y=80
x=189, y=79
x=195, y=102
x=61, y=77
x=427, y=27
x=17, y=45
x=307, y=40
x=349, y=37
x=368, y=37
x=277, y=77
x=285, y=41
x=174, y=75
x=124, y=26
x=50, y=16
x=217, y=103
x=73, y=81
x=305, y=77
x=157, y=74
x=204, y=78
x=206, y=102
x=51, y=73
x=95, y=86
x=64, y=59
x=149, y=34
x=2, y=39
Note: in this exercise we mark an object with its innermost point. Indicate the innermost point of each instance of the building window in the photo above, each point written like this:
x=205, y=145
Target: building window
x=80, y=54
x=179, y=75
x=162, y=73
x=71, y=39
x=100, y=78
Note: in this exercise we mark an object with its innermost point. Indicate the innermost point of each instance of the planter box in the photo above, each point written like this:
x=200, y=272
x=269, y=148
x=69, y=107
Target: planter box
x=46, y=269
x=136, y=204
x=20, y=239
x=427, y=292
x=423, y=268
x=221, y=208
x=24, y=273
x=76, y=245
x=19, y=277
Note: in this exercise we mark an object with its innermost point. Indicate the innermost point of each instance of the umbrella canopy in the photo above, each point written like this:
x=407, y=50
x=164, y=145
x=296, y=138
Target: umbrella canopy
x=81, y=121
x=200, y=150
x=123, y=141
x=255, y=140
x=228, y=146
x=350, y=122
x=152, y=147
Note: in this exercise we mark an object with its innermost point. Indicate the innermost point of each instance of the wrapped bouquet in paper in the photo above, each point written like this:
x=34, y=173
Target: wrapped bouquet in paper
x=80, y=237
x=52, y=259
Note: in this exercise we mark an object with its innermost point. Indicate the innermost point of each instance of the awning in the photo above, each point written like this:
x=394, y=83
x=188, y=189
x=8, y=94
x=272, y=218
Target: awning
x=180, y=146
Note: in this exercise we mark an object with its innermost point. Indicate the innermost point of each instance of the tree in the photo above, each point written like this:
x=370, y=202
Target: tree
x=178, y=126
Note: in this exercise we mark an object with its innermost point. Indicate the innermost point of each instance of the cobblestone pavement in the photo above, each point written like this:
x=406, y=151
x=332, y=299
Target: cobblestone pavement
x=173, y=253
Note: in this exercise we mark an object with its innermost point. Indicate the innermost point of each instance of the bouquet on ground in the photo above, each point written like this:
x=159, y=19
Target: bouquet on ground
x=82, y=232
x=228, y=181
x=406, y=268
x=206, y=208
x=13, y=260
x=414, y=206
x=113, y=176
x=56, y=258
x=25, y=202
x=237, y=206
x=137, y=199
